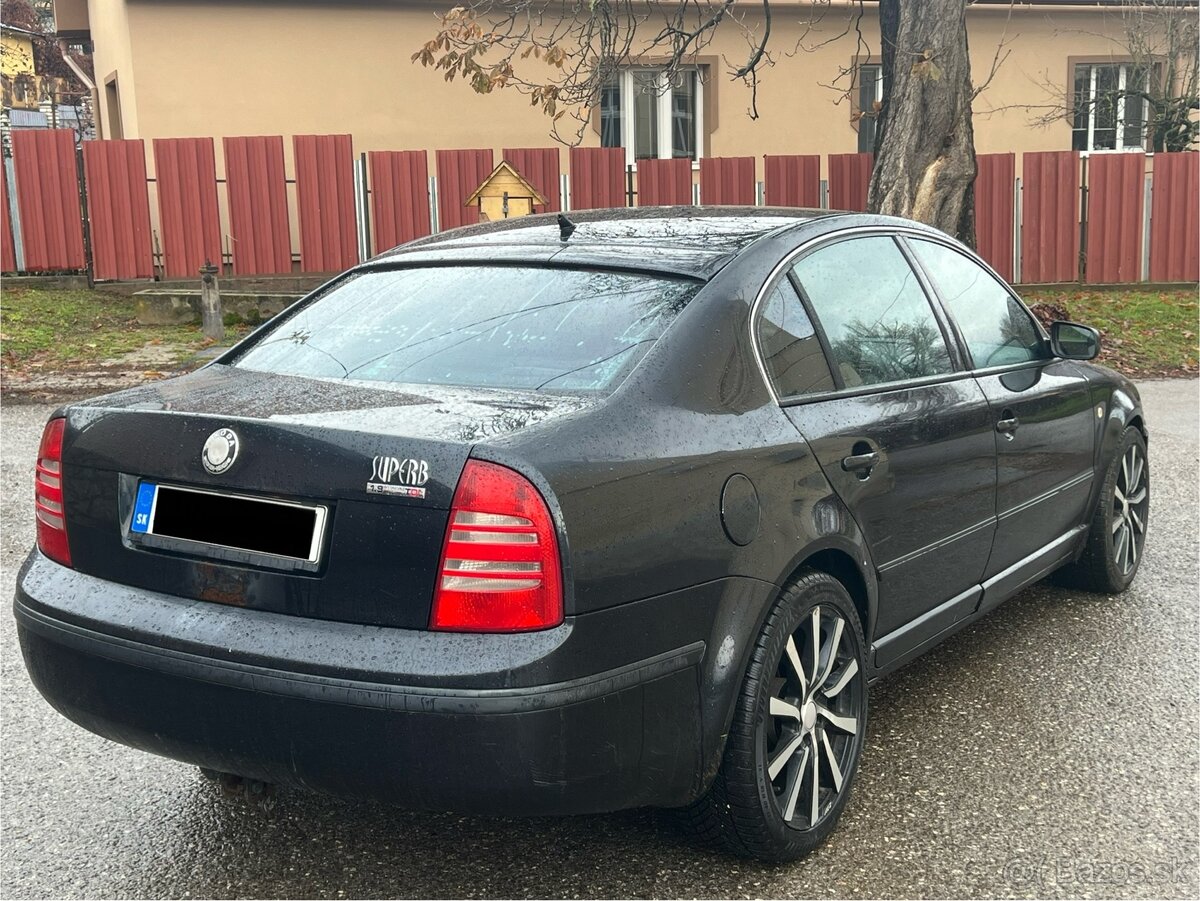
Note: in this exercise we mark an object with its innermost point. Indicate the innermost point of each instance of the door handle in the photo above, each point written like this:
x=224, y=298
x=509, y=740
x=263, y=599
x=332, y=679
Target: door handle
x=1008, y=425
x=860, y=462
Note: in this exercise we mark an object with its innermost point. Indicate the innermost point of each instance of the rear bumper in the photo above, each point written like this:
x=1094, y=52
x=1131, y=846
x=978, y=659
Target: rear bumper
x=317, y=705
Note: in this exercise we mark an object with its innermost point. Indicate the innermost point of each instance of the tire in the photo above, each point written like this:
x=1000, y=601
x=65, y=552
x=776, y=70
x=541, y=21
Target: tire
x=781, y=720
x=1117, y=535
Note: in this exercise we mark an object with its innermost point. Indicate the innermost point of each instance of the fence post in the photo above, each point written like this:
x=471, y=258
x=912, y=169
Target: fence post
x=361, y=207
x=434, y=225
x=1018, y=212
x=1147, y=204
x=212, y=321
x=564, y=191
x=81, y=180
x=1081, y=272
x=14, y=212
x=629, y=184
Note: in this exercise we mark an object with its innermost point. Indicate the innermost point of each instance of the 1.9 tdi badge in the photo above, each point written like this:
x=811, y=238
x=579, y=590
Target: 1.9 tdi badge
x=403, y=478
x=220, y=450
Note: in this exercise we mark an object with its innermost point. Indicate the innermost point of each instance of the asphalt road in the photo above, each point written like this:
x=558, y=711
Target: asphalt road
x=1051, y=750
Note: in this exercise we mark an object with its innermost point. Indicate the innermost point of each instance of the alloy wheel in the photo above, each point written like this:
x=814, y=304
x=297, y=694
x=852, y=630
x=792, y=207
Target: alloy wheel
x=1131, y=502
x=813, y=727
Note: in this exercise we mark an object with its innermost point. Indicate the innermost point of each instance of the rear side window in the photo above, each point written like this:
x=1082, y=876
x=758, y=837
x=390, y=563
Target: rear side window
x=481, y=326
x=876, y=317
x=996, y=326
x=790, y=348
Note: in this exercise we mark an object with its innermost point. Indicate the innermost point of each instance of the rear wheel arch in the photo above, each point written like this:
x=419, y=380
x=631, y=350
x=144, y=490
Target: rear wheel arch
x=840, y=563
x=836, y=558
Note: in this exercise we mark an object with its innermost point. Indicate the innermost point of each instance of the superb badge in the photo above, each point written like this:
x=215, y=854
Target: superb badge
x=220, y=450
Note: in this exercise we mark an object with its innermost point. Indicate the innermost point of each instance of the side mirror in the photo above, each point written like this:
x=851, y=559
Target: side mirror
x=1073, y=341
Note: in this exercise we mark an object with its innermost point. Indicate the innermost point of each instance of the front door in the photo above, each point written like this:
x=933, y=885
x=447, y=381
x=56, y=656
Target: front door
x=1041, y=407
x=905, y=438
x=1044, y=442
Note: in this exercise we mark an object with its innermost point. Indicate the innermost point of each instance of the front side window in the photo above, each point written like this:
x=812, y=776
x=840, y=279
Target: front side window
x=1110, y=107
x=996, y=326
x=521, y=327
x=876, y=317
x=653, y=114
x=790, y=348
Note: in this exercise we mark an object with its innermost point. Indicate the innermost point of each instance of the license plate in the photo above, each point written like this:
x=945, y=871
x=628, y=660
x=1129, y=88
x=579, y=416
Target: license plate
x=197, y=518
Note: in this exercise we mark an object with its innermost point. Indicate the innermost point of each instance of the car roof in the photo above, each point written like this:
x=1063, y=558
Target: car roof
x=682, y=240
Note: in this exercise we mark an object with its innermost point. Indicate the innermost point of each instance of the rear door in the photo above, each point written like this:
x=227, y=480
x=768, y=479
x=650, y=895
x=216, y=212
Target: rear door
x=1041, y=406
x=901, y=432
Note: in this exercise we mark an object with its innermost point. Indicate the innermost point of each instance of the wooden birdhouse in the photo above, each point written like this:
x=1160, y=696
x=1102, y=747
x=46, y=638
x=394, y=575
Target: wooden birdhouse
x=505, y=194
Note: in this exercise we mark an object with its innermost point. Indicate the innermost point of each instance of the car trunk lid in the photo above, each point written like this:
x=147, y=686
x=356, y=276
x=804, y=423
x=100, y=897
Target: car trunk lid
x=383, y=461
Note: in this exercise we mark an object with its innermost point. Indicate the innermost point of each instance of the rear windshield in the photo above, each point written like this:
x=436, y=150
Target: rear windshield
x=484, y=326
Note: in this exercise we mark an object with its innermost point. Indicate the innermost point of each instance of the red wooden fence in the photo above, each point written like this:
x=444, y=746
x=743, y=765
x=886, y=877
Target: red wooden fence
x=118, y=209
x=1175, y=218
x=460, y=172
x=995, y=209
x=50, y=227
x=727, y=180
x=792, y=180
x=325, y=201
x=186, y=176
x=1116, y=187
x=48, y=199
x=399, y=196
x=849, y=178
x=664, y=182
x=1050, y=217
x=8, y=255
x=539, y=167
x=597, y=177
x=259, y=230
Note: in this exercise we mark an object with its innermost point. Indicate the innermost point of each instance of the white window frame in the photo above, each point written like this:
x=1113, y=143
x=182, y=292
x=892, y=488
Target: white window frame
x=664, y=113
x=1119, y=143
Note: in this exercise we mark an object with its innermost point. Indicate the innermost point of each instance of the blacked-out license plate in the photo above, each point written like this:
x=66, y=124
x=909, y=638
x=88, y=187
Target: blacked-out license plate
x=238, y=522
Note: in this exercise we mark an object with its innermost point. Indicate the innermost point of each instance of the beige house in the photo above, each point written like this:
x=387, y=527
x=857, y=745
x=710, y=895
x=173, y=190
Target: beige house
x=207, y=67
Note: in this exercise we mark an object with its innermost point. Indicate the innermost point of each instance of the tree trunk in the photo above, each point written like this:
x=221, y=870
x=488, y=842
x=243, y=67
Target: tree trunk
x=925, y=143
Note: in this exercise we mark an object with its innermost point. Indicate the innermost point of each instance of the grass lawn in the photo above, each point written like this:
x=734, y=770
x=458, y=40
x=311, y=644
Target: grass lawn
x=1143, y=333
x=64, y=329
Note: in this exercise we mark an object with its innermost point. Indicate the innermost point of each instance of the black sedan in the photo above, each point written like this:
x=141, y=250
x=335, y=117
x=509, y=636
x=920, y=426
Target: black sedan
x=552, y=516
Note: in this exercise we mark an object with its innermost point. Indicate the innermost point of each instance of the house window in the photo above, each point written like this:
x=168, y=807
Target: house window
x=653, y=114
x=870, y=96
x=1109, y=113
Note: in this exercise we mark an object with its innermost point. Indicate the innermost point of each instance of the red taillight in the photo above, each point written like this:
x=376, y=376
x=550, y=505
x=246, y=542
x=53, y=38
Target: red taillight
x=48, y=495
x=499, y=570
